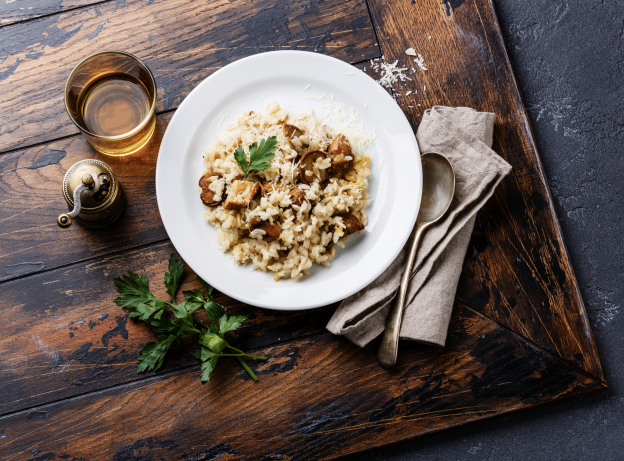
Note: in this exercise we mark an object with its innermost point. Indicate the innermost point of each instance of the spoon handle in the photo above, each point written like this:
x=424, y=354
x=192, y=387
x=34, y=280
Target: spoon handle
x=388, y=349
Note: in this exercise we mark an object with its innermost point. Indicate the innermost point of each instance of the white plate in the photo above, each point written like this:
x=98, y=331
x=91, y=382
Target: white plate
x=251, y=83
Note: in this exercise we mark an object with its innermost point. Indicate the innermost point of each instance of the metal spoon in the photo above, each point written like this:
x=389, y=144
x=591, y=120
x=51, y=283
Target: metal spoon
x=437, y=194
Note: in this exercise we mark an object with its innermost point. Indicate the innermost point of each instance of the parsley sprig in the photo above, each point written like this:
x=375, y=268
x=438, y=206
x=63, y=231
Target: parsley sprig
x=170, y=321
x=259, y=156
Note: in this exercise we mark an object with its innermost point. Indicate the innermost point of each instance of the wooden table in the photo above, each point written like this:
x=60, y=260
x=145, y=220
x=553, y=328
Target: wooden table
x=519, y=335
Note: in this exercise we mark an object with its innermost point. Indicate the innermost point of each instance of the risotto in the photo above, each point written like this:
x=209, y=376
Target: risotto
x=310, y=198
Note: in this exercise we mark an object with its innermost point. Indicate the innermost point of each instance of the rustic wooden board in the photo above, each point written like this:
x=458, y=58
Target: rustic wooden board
x=78, y=340
x=518, y=272
x=182, y=43
x=317, y=397
x=519, y=335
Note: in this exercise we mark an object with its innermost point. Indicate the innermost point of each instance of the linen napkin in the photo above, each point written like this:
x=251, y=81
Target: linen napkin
x=464, y=137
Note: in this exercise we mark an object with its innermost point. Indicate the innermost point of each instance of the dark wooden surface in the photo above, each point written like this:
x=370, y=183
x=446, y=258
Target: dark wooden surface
x=317, y=397
x=519, y=335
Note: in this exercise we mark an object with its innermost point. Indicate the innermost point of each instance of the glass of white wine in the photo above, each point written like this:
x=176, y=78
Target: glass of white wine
x=111, y=97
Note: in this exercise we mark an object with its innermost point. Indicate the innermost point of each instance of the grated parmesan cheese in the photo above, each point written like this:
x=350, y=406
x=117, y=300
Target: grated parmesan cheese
x=419, y=59
x=308, y=86
x=391, y=74
x=421, y=62
x=347, y=123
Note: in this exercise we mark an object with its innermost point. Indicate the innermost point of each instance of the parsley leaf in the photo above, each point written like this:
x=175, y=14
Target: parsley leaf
x=134, y=290
x=241, y=159
x=152, y=356
x=230, y=324
x=172, y=278
x=214, y=311
x=260, y=156
x=169, y=321
x=196, y=299
x=136, y=296
x=207, y=368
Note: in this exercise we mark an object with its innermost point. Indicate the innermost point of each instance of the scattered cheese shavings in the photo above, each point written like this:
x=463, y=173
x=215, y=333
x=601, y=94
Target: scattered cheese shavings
x=308, y=86
x=318, y=98
x=391, y=74
x=420, y=61
x=221, y=121
x=336, y=116
x=430, y=37
x=425, y=88
x=408, y=93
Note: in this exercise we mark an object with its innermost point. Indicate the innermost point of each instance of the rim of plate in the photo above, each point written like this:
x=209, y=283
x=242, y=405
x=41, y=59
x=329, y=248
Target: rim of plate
x=177, y=144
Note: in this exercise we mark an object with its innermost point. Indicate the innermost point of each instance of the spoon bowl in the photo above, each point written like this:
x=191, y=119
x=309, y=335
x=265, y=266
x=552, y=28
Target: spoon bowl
x=438, y=187
x=437, y=195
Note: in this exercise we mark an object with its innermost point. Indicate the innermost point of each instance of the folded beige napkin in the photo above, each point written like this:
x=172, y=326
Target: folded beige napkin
x=464, y=137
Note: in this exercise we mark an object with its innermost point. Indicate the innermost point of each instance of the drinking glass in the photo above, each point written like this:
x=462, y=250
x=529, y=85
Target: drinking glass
x=111, y=97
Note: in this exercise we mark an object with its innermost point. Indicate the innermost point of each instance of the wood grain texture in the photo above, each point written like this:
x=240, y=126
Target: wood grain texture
x=182, y=43
x=13, y=11
x=317, y=398
x=68, y=333
x=518, y=272
x=30, y=201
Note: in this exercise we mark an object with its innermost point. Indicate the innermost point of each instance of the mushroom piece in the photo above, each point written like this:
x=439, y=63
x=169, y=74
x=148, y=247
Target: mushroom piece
x=267, y=188
x=271, y=231
x=352, y=223
x=241, y=193
x=290, y=132
x=297, y=196
x=207, y=196
x=306, y=167
x=339, y=151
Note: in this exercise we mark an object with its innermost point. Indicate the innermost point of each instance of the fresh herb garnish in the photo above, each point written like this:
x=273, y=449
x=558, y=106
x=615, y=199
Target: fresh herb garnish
x=169, y=321
x=259, y=156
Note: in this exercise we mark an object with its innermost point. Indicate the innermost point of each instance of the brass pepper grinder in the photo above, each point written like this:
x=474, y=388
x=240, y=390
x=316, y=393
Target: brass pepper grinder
x=93, y=194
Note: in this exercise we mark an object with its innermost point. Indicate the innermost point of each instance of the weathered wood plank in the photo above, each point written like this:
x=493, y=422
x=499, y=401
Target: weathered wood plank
x=317, y=398
x=31, y=198
x=13, y=11
x=182, y=43
x=61, y=334
x=518, y=272
x=30, y=201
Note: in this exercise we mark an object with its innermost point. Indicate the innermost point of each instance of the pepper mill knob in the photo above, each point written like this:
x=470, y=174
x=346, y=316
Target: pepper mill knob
x=64, y=220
